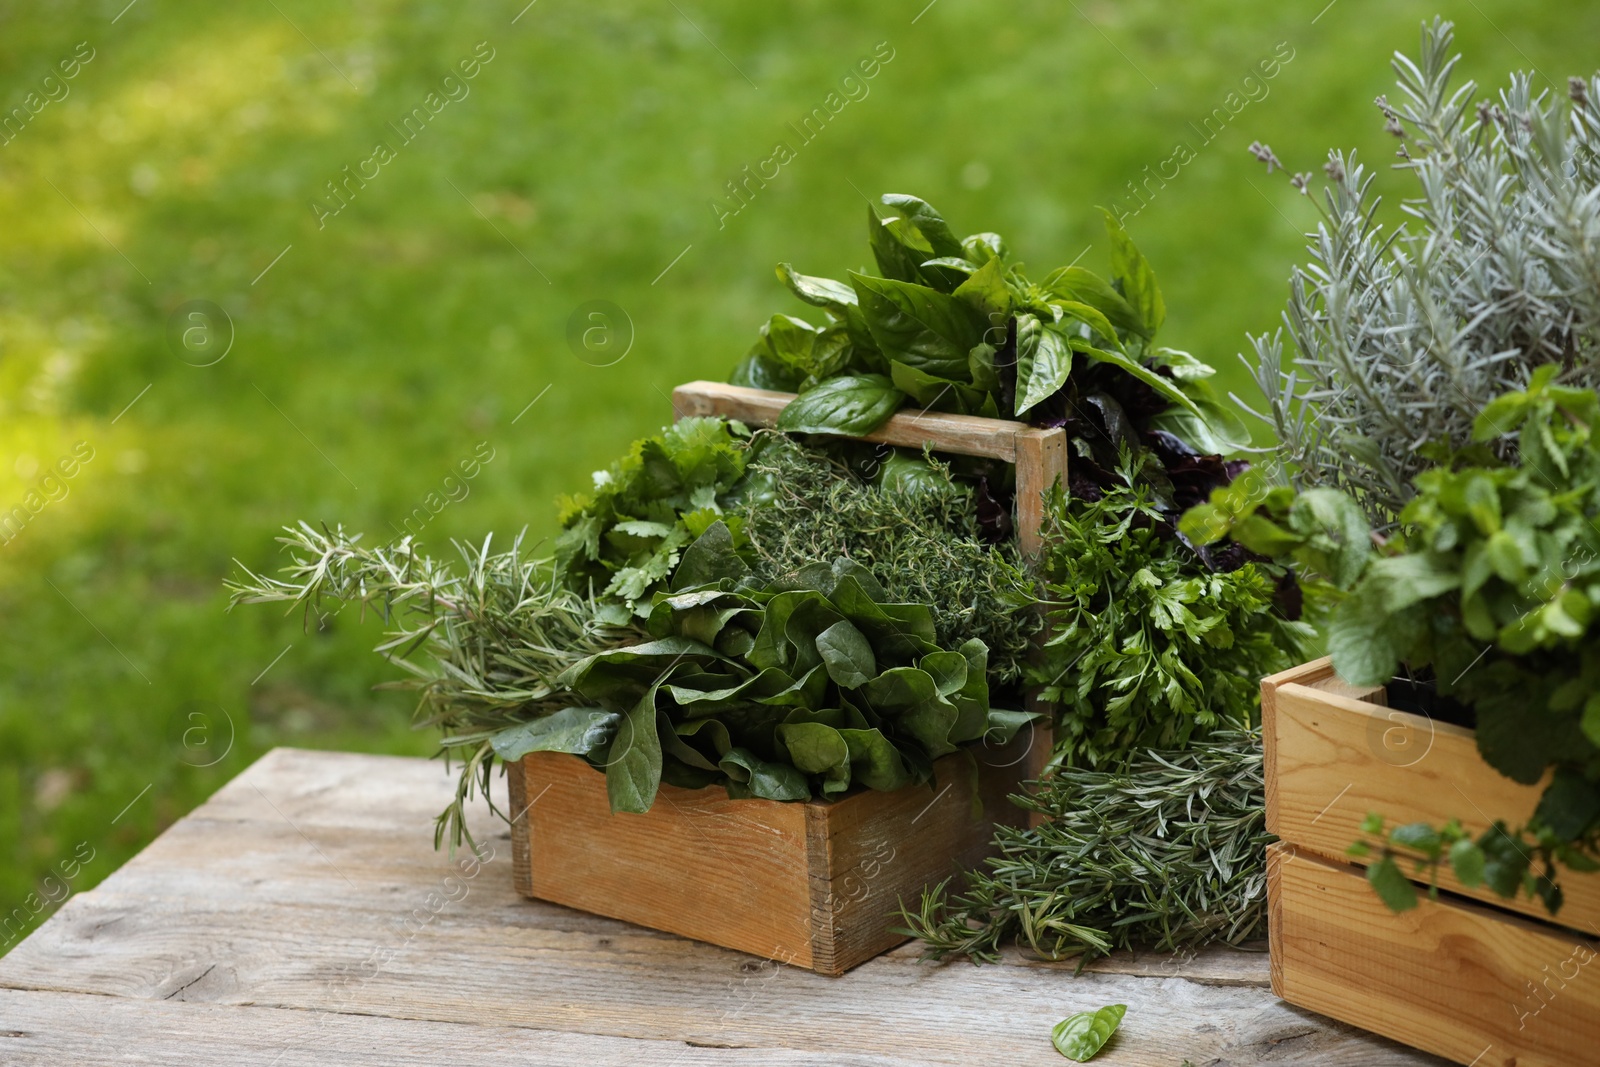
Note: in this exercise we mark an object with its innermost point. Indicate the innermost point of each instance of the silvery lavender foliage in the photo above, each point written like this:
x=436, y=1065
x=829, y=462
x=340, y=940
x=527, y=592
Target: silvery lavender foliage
x=1400, y=339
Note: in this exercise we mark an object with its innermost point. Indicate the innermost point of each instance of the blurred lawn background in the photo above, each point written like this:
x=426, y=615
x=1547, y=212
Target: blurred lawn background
x=380, y=349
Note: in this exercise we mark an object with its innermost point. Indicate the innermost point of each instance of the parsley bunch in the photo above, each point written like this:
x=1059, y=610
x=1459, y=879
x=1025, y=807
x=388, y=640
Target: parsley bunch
x=1148, y=647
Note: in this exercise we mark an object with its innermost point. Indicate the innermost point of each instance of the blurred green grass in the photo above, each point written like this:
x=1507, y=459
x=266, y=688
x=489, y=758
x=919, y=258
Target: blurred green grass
x=380, y=349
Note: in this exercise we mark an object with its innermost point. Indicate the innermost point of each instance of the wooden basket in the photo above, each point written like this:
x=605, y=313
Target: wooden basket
x=814, y=884
x=1473, y=977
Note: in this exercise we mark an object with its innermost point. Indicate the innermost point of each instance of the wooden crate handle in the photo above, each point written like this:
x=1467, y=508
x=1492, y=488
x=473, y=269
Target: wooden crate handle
x=1040, y=455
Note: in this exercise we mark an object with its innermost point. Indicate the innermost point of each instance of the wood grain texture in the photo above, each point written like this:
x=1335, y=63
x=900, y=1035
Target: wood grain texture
x=1466, y=982
x=308, y=889
x=816, y=885
x=1332, y=759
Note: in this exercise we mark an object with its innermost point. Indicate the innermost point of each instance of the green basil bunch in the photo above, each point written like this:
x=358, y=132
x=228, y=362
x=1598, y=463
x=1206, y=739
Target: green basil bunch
x=951, y=325
x=1492, y=585
x=800, y=688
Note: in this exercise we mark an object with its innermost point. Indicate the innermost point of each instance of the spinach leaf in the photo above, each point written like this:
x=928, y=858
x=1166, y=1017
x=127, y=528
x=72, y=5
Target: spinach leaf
x=579, y=731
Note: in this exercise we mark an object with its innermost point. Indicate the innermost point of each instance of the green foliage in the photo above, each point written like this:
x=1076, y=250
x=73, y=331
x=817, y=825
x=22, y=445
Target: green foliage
x=1148, y=648
x=1167, y=851
x=786, y=690
x=1492, y=584
x=408, y=329
x=624, y=539
x=904, y=519
x=1399, y=336
x=954, y=325
x=1080, y=1037
x=496, y=635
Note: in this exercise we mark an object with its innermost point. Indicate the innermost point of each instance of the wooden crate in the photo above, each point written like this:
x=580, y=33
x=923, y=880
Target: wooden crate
x=815, y=884
x=1472, y=976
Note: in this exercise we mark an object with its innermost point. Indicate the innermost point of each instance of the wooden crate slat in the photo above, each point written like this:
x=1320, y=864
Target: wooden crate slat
x=1332, y=759
x=1463, y=981
x=1040, y=455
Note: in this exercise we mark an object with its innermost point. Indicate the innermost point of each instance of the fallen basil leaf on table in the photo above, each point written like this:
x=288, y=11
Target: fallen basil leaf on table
x=1080, y=1036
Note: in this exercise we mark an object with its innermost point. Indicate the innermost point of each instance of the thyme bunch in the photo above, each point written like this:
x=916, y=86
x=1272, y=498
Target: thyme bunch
x=921, y=541
x=1166, y=852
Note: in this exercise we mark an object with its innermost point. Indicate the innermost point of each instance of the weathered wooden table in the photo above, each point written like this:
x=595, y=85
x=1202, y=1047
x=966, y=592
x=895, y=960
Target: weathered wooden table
x=301, y=916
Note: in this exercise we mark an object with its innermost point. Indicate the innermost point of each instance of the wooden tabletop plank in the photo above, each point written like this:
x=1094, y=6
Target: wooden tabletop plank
x=52, y=1029
x=290, y=890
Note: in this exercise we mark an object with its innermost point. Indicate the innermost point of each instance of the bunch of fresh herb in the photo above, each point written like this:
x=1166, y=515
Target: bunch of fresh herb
x=1168, y=851
x=1492, y=585
x=1148, y=647
x=915, y=529
x=954, y=325
x=622, y=540
x=782, y=690
x=1399, y=337
x=497, y=634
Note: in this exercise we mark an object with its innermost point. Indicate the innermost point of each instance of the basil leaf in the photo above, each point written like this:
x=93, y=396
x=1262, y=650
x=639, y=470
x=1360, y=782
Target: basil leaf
x=905, y=473
x=836, y=296
x=1077, y=283
x=579, y=731
x=1129, y=267
x=852, y=404
x=928, y=222
x=633, y=764
x=1165, y=386
x=1080, y=1037
x=917, y=325
x=1044, y=359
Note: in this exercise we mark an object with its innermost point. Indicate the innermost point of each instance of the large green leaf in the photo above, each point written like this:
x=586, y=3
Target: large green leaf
x=580, y=731
x=1132, y=271
x=1165, y=386
x=816, y=748
x=633, y=764
x=827, y=293
x=874, y=760
x=918, y=326
x=1084, y=286
x=847, y=655
x=988, y=295
x=751, y=776
x=929, y=223
x=1044, y=359
x=710, y=558
x=853, y=405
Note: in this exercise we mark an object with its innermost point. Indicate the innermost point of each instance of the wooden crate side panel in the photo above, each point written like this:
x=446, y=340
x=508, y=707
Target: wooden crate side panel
x=872, y=850
x=1453, y=978
x=1335, y=759
x=1318, y=674
x=732, y=872
x=517, y=798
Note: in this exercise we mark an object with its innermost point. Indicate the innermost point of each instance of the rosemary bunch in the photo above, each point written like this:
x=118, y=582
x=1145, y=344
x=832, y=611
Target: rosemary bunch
x=1168, y=852
x=499, y=630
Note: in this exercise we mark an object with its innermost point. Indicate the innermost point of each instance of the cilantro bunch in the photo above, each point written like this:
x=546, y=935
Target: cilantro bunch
x=622, y=540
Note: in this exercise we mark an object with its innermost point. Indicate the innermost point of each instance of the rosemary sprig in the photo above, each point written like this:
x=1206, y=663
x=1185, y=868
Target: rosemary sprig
x=495, y=633
x=1168, y=852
